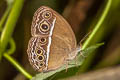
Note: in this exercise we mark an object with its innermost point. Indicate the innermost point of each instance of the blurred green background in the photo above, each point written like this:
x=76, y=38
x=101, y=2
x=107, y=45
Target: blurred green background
x=82, y=15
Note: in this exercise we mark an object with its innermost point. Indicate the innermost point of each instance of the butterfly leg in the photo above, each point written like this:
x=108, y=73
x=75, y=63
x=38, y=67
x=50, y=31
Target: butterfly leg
x=82, y=55
x=66, y=69
x=80, y=43
x=76, y=61
x=66, y=65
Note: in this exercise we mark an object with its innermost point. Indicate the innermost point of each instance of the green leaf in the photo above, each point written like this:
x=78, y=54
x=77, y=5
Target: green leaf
x=79, y=60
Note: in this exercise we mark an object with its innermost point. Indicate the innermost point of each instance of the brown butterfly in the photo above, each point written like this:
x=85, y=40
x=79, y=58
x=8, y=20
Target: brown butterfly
x=53, y=42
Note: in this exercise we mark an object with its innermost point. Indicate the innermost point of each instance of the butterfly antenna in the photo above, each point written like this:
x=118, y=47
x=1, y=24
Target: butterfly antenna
x=79, y=47
x=80, y=43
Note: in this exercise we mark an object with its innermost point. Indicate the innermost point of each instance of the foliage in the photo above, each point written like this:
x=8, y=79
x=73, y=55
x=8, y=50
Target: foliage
x=8, y=23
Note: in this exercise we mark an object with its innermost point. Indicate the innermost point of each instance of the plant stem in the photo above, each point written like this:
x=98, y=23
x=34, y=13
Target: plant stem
x=12, y=47
x=4, y=17
x=7, y=32
x=88, y=42
x=17, y=65
x=10, y=24
x=13, y=61
x=102, y=18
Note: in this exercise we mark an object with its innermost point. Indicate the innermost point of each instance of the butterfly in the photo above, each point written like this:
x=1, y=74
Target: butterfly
x=53, y=42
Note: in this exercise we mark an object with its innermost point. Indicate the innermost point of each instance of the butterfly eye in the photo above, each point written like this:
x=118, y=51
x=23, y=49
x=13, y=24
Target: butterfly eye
x=43, y=40
x=41, y=58
x=42, y=64
x=44, y=27
x=47, y=14
x=39, y=51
